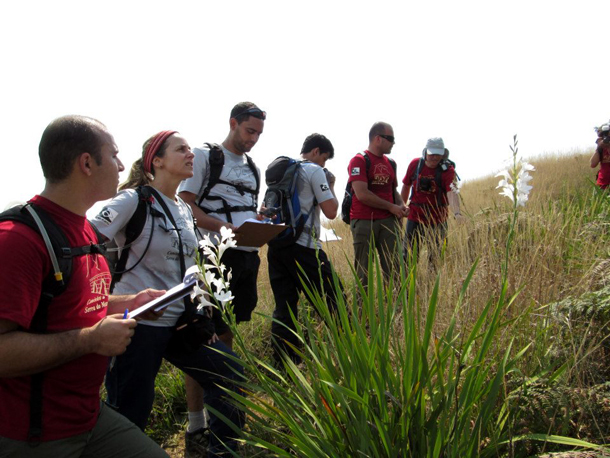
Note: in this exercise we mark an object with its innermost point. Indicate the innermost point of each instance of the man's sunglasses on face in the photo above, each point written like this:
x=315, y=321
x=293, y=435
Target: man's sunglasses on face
x=253, y=111
x=389, y=138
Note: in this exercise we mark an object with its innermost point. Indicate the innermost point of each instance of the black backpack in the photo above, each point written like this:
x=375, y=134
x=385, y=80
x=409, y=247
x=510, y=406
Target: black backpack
x=346, y=205
x=61, y=254
x=282, y=196
x=217, y=161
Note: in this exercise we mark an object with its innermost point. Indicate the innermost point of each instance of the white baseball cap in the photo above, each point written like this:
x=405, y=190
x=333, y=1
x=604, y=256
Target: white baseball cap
x=436, y=146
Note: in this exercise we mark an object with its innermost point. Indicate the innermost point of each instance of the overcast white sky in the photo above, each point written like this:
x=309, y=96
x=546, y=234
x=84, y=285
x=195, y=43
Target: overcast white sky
x=473, y=72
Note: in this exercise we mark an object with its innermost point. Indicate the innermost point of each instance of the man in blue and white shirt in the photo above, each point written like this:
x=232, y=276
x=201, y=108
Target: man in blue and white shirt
x=316, y=195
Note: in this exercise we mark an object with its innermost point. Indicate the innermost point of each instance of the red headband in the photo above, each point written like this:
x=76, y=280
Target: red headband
x=153, y=148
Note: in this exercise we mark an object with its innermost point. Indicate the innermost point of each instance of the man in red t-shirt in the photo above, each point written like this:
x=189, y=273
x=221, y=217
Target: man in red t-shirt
x=428, y=180
x=84, y=326
x=377, y=208
x=601, y=156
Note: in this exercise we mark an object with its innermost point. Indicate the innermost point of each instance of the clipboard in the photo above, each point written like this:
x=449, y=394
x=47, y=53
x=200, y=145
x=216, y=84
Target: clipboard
x=172, y=295
x=256, y=234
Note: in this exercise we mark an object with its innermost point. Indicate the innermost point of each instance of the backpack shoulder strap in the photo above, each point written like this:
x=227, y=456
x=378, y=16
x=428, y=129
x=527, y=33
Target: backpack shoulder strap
x=415, y=176
x=190, y=210
x=367, y=161
x=133, y=229
x=439, y=186
x=98, y=234
x=216, y=162
x=189, y=305
x=395, y=168
x=54, y=238
x=420, y=165
x=169, y=216
x=256, y=175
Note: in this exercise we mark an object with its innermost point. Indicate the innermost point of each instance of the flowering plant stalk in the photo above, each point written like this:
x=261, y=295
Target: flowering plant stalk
x=215, y=291
x=515, y=179
x=514, y=185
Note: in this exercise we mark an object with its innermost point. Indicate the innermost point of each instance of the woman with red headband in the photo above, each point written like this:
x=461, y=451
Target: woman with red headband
x=157, y=232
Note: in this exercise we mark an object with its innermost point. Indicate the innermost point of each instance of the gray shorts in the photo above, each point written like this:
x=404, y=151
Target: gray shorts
x=112, y=436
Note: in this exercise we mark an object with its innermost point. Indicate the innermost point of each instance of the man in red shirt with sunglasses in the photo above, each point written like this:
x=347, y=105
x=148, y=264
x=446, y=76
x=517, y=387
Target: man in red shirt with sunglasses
x=377, y=208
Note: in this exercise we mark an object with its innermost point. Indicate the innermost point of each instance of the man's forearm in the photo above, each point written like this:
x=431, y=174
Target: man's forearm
x=595, y=159
x=332, y=189
x=372, y=200
x=398, y=198
x=454, y=202
x=118, y=303
x=23, y=353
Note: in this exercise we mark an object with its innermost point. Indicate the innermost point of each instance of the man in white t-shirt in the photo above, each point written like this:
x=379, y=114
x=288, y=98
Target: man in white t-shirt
x=224, y=192
x=315, y=188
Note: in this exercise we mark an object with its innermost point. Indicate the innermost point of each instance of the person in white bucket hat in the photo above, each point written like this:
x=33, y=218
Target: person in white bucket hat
x=429, y=184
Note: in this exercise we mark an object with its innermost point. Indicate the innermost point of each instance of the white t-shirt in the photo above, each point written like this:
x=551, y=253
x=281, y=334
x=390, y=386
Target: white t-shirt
x=236, y=171
x=312, y=187
x=160, y=268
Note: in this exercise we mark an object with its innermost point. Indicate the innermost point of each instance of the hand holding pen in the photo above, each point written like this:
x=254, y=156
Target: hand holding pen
x=111, y=335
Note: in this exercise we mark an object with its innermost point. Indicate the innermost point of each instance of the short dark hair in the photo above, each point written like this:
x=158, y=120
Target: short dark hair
x=238, y=111
x=318, y=141
x=64, y=140
x=378, y=128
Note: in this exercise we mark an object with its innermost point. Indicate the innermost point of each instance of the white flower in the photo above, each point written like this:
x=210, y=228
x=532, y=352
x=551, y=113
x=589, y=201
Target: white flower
x=213, y=270
x=521, y=199
x=212, y=281
x=503, y=173
x=226, y=233
x=514, y=180
x=206, y=242
x=204, y=302
x=223, y=296
x=527, y=167
x=225, y=244
x=209, y=250
x=507, y=191
x=197, y=292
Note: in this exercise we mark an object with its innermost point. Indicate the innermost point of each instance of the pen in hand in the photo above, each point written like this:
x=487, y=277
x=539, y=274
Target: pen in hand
x=114, y=357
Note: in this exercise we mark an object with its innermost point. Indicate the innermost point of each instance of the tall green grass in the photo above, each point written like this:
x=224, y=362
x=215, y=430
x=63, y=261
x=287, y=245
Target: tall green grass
x=382, y=379
x=379, y=382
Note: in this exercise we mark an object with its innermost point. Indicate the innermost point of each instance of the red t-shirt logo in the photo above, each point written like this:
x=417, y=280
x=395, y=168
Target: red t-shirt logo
x=381, y=175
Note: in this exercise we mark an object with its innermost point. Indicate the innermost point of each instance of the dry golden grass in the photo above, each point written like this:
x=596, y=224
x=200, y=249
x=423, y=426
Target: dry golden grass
x=554, y=174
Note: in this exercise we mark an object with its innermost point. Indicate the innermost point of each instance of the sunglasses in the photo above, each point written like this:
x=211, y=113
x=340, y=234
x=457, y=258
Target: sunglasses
x=253, y=111
x=389, y=138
